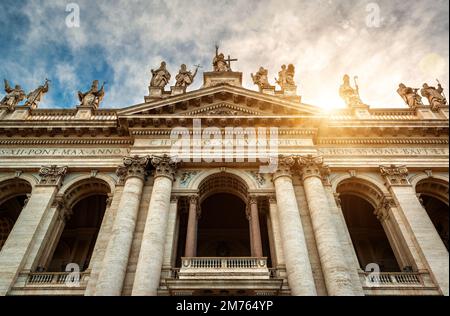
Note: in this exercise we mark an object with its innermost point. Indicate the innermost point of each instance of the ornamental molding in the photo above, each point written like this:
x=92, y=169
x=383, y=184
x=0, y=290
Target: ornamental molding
x=165, y=166
x=135, y=166
x=395, y=175
x=52, y=175
x=66, y=141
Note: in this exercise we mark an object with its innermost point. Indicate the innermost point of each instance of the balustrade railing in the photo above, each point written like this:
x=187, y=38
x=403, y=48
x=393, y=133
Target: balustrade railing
x=70, y=279
x=392, y=279
x=224, y=263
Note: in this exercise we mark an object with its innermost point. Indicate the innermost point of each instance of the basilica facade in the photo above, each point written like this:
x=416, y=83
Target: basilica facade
x=353, y=202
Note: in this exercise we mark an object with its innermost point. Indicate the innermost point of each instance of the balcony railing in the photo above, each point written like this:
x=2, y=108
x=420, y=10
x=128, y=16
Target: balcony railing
x=392, y=279
x=224, y=263
x=224, y=268
x=68, y=279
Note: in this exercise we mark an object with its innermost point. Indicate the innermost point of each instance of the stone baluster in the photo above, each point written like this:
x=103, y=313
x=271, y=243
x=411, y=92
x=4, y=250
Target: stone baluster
x=298, y=266
x=115, y=261
x=148, y=270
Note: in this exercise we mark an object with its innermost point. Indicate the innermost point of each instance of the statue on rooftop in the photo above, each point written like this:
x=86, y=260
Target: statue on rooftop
x=410, y=96
x=221, y=64
x=286, y=77
x=185, y=77
x=34, y=97
x=350, y=94
x=160, y=76
x=261, y=78
x=93, y=97
x=13, y=96
x=435, y=96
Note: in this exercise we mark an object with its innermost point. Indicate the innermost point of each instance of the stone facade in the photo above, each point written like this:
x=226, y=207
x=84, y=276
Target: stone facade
x=395, y=160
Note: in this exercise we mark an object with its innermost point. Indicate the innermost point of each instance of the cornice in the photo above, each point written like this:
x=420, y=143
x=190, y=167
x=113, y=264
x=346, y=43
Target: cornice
x=66, y=141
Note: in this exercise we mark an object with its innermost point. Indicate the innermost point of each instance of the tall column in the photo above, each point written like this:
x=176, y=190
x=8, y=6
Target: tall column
x=298, y=266
x=115, y=261
x=191, y=236
x=20, y=241
x=273, y=209
x=334, y=265
x=255, y=229
x=148, y=270
x=172, y=234
x=420, y=226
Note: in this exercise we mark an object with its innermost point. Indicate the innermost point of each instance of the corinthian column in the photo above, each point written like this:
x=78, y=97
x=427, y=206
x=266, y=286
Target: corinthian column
x=298, y=266
x=148, y=270
x=191, y=236
x=334, y=266
x=24, y=234
x=112, y=274
x=421, y=228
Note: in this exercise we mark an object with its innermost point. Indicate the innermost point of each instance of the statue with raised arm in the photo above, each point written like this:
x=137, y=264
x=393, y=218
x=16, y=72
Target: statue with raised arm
x=160, y=76
x=410, y=96
x=34, y=97
x=13, y=96
x=348, y=93
x=435, y=96
x=282, y=77
x=185, y=77
x=261, y=78
x=93, y=97
x=219, y=62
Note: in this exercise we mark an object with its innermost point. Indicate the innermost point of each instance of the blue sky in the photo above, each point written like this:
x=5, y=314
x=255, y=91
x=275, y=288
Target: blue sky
x=120, y=41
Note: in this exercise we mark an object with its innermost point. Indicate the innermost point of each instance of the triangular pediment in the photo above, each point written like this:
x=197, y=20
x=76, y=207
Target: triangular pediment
x=222, y=100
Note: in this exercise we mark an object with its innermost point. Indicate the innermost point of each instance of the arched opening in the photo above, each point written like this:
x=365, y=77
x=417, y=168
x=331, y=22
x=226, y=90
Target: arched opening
x=433, y=194
x=13, y=194
x=78, y=230
x=223, y=229
x=368, y=236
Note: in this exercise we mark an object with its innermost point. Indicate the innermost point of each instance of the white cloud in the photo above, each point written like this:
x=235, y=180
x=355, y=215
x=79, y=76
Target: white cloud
x=324, y=39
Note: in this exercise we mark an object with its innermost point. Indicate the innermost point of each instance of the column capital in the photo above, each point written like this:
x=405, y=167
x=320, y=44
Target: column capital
x=285, y=164
x=174, y=198
x=133, y=166
x=165, y=166
x=395, y=175
x=382, y=211
x=52, y=175
x=252, y=199
x=311, y=166
x=63, y=209
x=272, y=199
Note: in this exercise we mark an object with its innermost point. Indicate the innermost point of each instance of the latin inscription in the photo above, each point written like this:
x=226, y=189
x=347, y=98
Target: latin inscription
x=61, y=152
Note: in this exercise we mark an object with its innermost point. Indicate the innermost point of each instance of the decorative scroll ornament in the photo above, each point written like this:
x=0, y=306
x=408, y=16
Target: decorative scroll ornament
x=52, y=175
x=395, y=175
x=382, y=211
x=165, y=166
x=133, y=167
x=311, y=166
x=63, y=209
x=285, y=164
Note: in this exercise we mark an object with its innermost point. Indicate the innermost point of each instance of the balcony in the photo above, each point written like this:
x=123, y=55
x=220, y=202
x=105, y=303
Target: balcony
x=227, y=276
x=50, y=283
x=398, y=283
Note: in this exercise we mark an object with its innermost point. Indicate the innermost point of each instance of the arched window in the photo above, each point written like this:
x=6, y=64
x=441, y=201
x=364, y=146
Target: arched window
x=433, y=194
x=368, y=236
x=13, y=195
x=77, y=231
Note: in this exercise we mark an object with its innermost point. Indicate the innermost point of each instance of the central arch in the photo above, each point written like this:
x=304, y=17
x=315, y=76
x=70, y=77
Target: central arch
x=223, y=228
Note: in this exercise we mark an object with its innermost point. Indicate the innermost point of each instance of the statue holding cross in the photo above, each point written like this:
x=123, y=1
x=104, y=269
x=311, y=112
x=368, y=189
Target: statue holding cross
x=221, y=64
